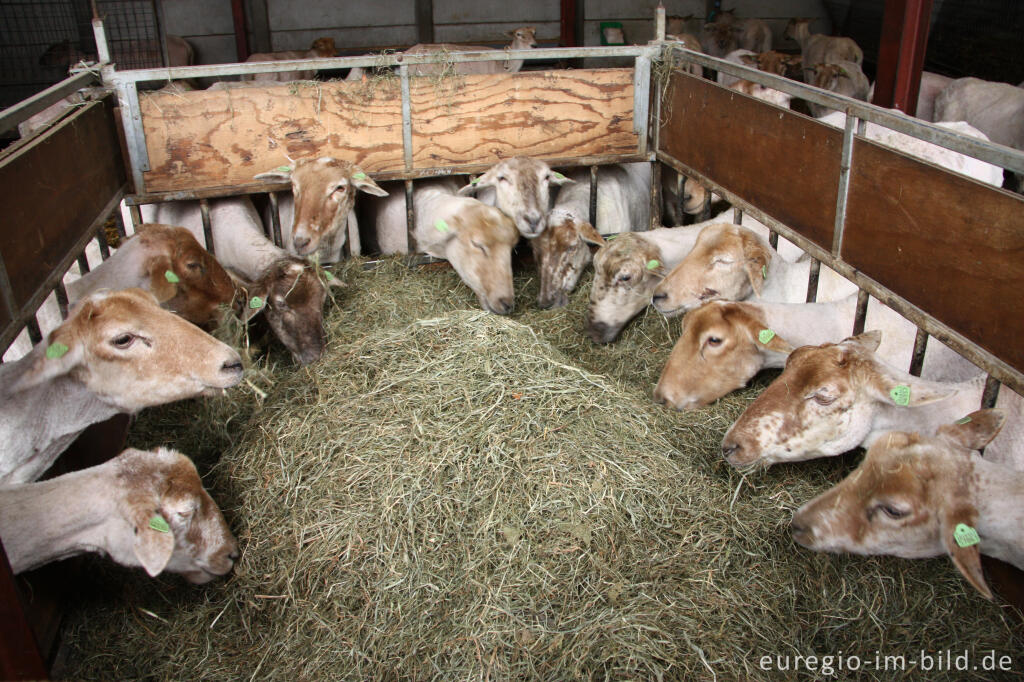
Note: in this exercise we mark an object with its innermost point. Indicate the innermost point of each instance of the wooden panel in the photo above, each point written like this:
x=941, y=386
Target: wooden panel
x=52, y=190
x=199, y=140
x=782, y=162
x=951, y=246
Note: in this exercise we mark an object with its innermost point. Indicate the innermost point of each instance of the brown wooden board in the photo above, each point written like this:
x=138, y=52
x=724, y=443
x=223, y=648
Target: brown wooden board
x=949, y=245
x=52, y=190
x=784, y=163
x=203, y=139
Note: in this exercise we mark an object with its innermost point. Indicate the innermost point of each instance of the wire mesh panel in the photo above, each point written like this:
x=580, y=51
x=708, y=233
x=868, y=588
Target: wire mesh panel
x=41, y=39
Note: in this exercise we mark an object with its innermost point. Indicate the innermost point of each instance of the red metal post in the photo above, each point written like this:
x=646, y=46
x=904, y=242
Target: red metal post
x=568, y=16
x=19, y=653
x=241, y=33
x=901, y=53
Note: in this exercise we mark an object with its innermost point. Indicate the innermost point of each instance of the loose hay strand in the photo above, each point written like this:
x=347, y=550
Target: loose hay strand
x=450, y=494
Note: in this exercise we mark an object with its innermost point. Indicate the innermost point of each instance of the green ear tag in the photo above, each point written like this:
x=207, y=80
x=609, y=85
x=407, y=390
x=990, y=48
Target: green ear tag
x=56, y=350
x=900, y=395
x=171, y=277
x=652, y=264
x=359, y=176
x=765, y=336
x=441, y=225
x=963, y=420
x=284, y=169
x=965, y=535
x=474, y=181
x=559, y=175
x=255, y=302
x=764, y=272
x=328, y=276
x=159, y=524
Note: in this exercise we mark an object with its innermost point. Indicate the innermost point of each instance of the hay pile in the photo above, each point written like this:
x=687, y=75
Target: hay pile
x=453, y=495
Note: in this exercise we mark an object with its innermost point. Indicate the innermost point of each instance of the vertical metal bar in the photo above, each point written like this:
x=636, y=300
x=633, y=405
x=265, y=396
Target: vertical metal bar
x=844, y=186
x=119, y=224
x=241, y=34
x=101, y=240
x=593, y=196
x=100, y=34
x=659, y=23
x=204, y=212
x=410, y=217
x=161, y=30
x=275, y=219
x=61, y=294
x=680, y=197
x=705, y=208
x=424, y=21
x=32, y=327
x=773, y=239
x=135, y=138
x=991, y=392
x=737, y=216
x=812, y=280
x=83, y=264
x=403, y=71
x=641, y=101
x=920, y=346
x=655, y=195
x=6, y=290
x=861, y=315
x=135, y=212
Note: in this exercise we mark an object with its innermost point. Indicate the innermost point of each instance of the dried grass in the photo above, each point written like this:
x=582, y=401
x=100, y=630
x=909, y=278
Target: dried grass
x=453, y=495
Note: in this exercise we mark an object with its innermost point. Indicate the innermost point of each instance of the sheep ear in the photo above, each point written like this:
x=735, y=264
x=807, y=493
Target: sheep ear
x=279, y=174
x=748, y=59
x=488, y=179
x=163, y=281
x=967, y=559
x=559, y=179
x=154, y=539
x=976, y=430
x=756, y=257
x=363, y=182
x=904, y=392
x=868, y=341
x=588, y=234
x=57, y=355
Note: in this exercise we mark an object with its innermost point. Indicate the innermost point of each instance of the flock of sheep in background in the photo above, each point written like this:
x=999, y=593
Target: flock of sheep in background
x=919, y=491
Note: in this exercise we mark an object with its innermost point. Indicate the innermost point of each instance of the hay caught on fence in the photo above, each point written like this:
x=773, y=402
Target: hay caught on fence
x=453, y=495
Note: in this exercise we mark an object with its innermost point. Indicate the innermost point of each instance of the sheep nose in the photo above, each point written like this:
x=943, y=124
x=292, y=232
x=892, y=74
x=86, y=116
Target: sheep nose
x=233, y=555
x=534, y=221
x=301, y=243
x=505, y=306
x=659, y=397
x=658, y=298
x=233, y=366
x=730, y=449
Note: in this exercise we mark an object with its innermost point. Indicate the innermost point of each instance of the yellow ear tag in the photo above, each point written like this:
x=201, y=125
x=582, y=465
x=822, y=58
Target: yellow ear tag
x=56, y=350
x=963, y=420
x=256, y=303
x=171, y=277
x=765, y=336
x=159, y=524
x=652, y=264
x=764, y=272
x=359, y=176
x=900, y=395
x=441, y=226
x=965, y=535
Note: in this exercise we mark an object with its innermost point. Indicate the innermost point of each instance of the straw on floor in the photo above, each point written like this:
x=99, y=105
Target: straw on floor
x=452, y=495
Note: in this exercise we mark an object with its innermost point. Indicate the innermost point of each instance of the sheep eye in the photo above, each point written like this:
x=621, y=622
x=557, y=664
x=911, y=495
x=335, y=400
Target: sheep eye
x=625, y=277
x=714, y=341
x=194, y=266
x=892, y=512
x=123, y=341
x=823, y=398
x=480, y=246
x=502, y=178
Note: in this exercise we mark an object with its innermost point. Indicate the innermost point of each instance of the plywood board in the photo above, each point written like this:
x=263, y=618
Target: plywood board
x=785, y=164
x=199, y=140
x=53, y=190
x=952, y=246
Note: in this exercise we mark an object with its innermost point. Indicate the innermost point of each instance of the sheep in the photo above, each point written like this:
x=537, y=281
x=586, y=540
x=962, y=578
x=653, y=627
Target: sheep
x=732, y=263
x=321, y=48
x=723, y=344
x=838, y=396
x=690, y=42
x=758, y=91
x=323, y=192
x=522, y=39
x=169, y=262
x=779, y=63
x=562, y=250
x=916, y=495
x=520, y=187
x=736, y=57
x=839, y=77
x=117, y=352
x=931, y=85
x=141, y=508
x=285, y=288
x=694, y=197
x=940, y=156
x=996, y=109
x=475, y=238
x=818, y=48
x=718, y=38
x=753, y=34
